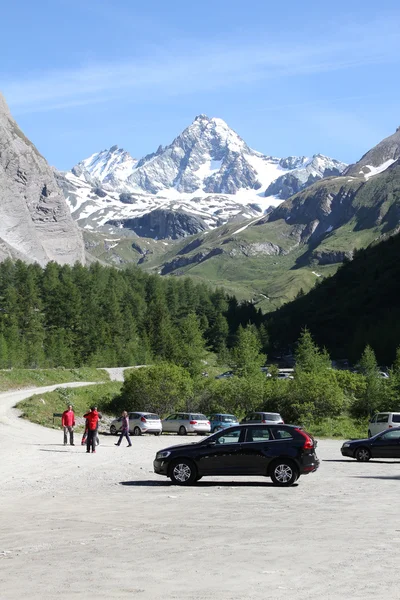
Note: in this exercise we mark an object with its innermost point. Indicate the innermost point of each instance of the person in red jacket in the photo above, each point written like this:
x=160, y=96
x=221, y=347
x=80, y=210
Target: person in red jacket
x=92, y=421
x=68, y=423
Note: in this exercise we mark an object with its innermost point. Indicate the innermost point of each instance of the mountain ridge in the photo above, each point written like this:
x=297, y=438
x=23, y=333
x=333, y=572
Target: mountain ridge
x=208, y=171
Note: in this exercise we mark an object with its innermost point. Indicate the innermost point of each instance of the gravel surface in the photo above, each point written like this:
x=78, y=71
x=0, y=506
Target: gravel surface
x=74, y=525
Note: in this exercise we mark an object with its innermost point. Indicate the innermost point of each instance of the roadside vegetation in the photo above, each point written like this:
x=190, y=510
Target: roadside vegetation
x=327, y=402
x=25, y=378
x=40, y=407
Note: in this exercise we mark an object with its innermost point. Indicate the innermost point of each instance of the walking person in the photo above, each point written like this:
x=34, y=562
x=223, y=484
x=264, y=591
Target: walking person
x=92, y=420
x=124, y=430
x=68, y=424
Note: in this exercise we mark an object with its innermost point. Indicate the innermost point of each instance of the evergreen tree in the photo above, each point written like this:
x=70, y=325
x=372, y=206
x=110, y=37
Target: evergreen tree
x=373, y=395
x=246, y=357
x=309, y=358
x=191, y=349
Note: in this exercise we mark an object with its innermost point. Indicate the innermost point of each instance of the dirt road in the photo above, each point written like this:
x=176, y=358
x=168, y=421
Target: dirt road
x=74, y=525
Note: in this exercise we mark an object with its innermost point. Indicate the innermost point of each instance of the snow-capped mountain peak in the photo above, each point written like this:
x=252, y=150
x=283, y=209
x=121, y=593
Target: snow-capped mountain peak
x=108, y=167
x=208, y=170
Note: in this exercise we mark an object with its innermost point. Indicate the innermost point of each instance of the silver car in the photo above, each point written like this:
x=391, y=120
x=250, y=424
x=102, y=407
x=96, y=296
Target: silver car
x=139, y=422
x=183, y=423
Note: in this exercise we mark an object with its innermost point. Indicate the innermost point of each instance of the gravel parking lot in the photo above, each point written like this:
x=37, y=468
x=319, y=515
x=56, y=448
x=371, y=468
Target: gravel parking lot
x=78, y=526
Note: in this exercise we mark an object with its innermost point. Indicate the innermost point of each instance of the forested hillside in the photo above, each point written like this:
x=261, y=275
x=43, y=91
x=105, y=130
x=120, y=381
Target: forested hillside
x=100, y=316
x=359, y=305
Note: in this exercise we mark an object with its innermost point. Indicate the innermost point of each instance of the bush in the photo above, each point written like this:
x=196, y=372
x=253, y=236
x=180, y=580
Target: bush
x=161, y=389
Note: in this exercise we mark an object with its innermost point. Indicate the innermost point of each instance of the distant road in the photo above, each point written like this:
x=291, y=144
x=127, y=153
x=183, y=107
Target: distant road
x=117, y=373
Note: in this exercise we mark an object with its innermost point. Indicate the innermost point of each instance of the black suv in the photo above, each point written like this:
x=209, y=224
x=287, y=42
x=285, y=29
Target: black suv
x=282, y=452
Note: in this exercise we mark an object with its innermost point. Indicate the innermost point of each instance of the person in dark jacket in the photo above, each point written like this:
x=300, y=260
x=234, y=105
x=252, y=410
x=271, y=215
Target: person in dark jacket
x=92, y=420
x=68, y=424
x=124, y=430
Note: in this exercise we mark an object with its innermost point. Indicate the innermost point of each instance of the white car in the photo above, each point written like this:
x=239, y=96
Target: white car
x=183, y=423
x=383, y=420
x=139, y=422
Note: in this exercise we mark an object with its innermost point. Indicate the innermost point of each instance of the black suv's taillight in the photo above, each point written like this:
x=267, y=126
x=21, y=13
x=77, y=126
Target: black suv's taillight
x=308, y=441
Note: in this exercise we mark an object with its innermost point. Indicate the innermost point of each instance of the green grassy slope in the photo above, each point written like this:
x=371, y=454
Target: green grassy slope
x=25, y=378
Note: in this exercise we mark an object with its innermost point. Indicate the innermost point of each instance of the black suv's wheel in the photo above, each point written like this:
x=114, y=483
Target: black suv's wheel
x=362, y=454
x=183, y=472
x=283, y=472
x=113, y=430
x=182, y=430
x=137, y=431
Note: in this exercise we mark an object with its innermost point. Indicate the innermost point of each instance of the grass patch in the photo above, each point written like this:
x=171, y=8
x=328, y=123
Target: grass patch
x=20, y=378
x=343, y=427
x=40, y=407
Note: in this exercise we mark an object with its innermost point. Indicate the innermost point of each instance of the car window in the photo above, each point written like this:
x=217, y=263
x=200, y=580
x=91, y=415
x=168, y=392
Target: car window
x=282, y=434
x=171, y=418
x=228, y=419
x=198, y=417
x=228, y=437
x=151, y=417
x=272, y=417
x=181, y=416
x=373, y=420
x=391, y=435
x=382, y=418
x=133, y=416
x=395, y=418
x=258, y=434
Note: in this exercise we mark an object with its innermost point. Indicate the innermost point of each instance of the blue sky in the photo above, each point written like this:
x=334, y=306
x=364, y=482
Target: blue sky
x=291, y=78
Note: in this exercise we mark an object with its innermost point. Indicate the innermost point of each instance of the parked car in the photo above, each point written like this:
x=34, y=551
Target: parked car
x=139, y=422
x=383, y=420
x=221, y=421
x=382, y=445
x=282, y=452
x=183, y=423
x=383, y=374
x=224, y=375
x=262, y=417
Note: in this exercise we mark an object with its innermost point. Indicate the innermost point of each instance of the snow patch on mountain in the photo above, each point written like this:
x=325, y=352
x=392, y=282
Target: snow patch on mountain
x=375, y=170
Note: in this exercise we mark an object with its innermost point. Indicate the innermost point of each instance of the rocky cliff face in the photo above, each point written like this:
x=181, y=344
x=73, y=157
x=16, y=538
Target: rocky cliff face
x=35, y=222
x=162, y=224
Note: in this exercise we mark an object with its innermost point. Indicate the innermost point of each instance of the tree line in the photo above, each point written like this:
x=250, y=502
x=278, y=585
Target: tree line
x=100, y=316
x=316, y=393
x=359, y=305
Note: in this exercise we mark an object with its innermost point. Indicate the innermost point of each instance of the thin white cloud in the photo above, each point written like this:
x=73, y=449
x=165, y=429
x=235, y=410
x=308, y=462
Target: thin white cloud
x=193, y=68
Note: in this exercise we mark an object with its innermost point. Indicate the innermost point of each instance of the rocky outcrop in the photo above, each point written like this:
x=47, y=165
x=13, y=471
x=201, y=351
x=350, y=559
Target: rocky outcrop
x=184, y=261
x=35, y=222
x=330, y=257
x=257, y=249
x=162, y=224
